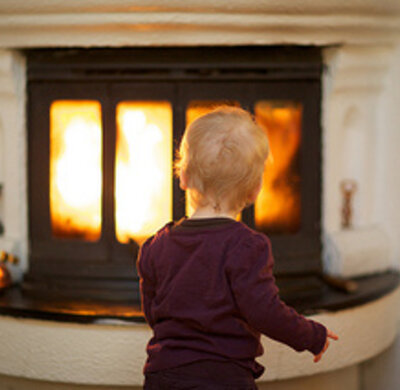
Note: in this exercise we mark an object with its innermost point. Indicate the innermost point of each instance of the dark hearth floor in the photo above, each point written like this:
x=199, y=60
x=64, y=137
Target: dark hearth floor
x=14, y=302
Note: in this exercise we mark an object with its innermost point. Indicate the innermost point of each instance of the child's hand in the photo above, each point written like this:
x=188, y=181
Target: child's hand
x=329, y=335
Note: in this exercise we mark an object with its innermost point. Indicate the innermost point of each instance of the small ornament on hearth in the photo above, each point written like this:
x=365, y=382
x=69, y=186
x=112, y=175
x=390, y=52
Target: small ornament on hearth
x=5, y=277
x=9, y=269
x=348, y=187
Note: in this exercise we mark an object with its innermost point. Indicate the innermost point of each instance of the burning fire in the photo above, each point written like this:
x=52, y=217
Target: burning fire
x=143, y=174
x=143, y=187
x=75, y=169
x=143, y=168
x=277, y=208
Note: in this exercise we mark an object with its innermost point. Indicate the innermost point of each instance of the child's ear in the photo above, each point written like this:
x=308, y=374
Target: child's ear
x=183, y=180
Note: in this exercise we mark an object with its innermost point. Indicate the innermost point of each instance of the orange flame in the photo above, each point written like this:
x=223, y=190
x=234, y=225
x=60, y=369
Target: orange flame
x=75, y=169
x=143, y=173
x=143, y=177
x=143, y=186
x=277, y=208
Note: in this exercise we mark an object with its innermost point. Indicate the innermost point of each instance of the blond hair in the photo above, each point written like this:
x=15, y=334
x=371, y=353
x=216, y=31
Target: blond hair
x=222, y=155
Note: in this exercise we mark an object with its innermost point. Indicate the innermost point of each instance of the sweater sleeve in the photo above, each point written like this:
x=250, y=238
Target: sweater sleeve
x=147, y=281
x=256, y=295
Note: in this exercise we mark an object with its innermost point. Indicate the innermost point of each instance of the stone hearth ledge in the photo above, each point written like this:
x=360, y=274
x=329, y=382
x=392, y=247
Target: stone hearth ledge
x=113, y=354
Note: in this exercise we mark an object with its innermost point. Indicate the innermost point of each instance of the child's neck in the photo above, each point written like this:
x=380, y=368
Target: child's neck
x=210, y=212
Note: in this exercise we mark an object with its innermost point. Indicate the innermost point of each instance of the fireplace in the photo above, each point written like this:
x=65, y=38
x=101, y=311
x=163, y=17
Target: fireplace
x=103, y=126
x=360, y=47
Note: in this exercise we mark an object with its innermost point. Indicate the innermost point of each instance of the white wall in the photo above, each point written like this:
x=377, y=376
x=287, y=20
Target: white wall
x=389, y=142
x=14, y=161
x=382, y=372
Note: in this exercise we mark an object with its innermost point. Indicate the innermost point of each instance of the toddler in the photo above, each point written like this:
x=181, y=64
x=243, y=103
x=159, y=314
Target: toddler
x=207, y=286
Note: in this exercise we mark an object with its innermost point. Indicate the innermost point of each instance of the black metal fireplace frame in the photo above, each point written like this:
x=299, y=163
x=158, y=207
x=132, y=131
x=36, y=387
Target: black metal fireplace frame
x=105, y=269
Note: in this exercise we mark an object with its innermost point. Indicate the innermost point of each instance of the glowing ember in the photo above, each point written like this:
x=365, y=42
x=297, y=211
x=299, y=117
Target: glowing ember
x=277, y=209
x=75, y=169
x=143, y=187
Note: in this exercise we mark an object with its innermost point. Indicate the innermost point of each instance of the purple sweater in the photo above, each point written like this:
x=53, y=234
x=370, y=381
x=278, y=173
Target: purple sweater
x=208, y=292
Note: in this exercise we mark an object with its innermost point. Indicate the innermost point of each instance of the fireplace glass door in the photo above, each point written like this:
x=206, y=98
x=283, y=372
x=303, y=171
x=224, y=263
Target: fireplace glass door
x=102, y=138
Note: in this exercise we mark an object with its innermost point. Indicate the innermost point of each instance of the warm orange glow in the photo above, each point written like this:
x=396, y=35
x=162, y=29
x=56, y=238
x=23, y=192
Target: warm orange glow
x=277, y=208
x=75, y=169
x=143, y=187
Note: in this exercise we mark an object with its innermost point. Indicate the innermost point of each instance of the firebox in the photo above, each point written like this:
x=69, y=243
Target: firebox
x=103, y=125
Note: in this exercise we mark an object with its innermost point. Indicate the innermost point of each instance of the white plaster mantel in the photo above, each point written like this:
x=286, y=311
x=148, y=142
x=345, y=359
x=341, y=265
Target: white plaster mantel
x=43, y=23
x=114, y=354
